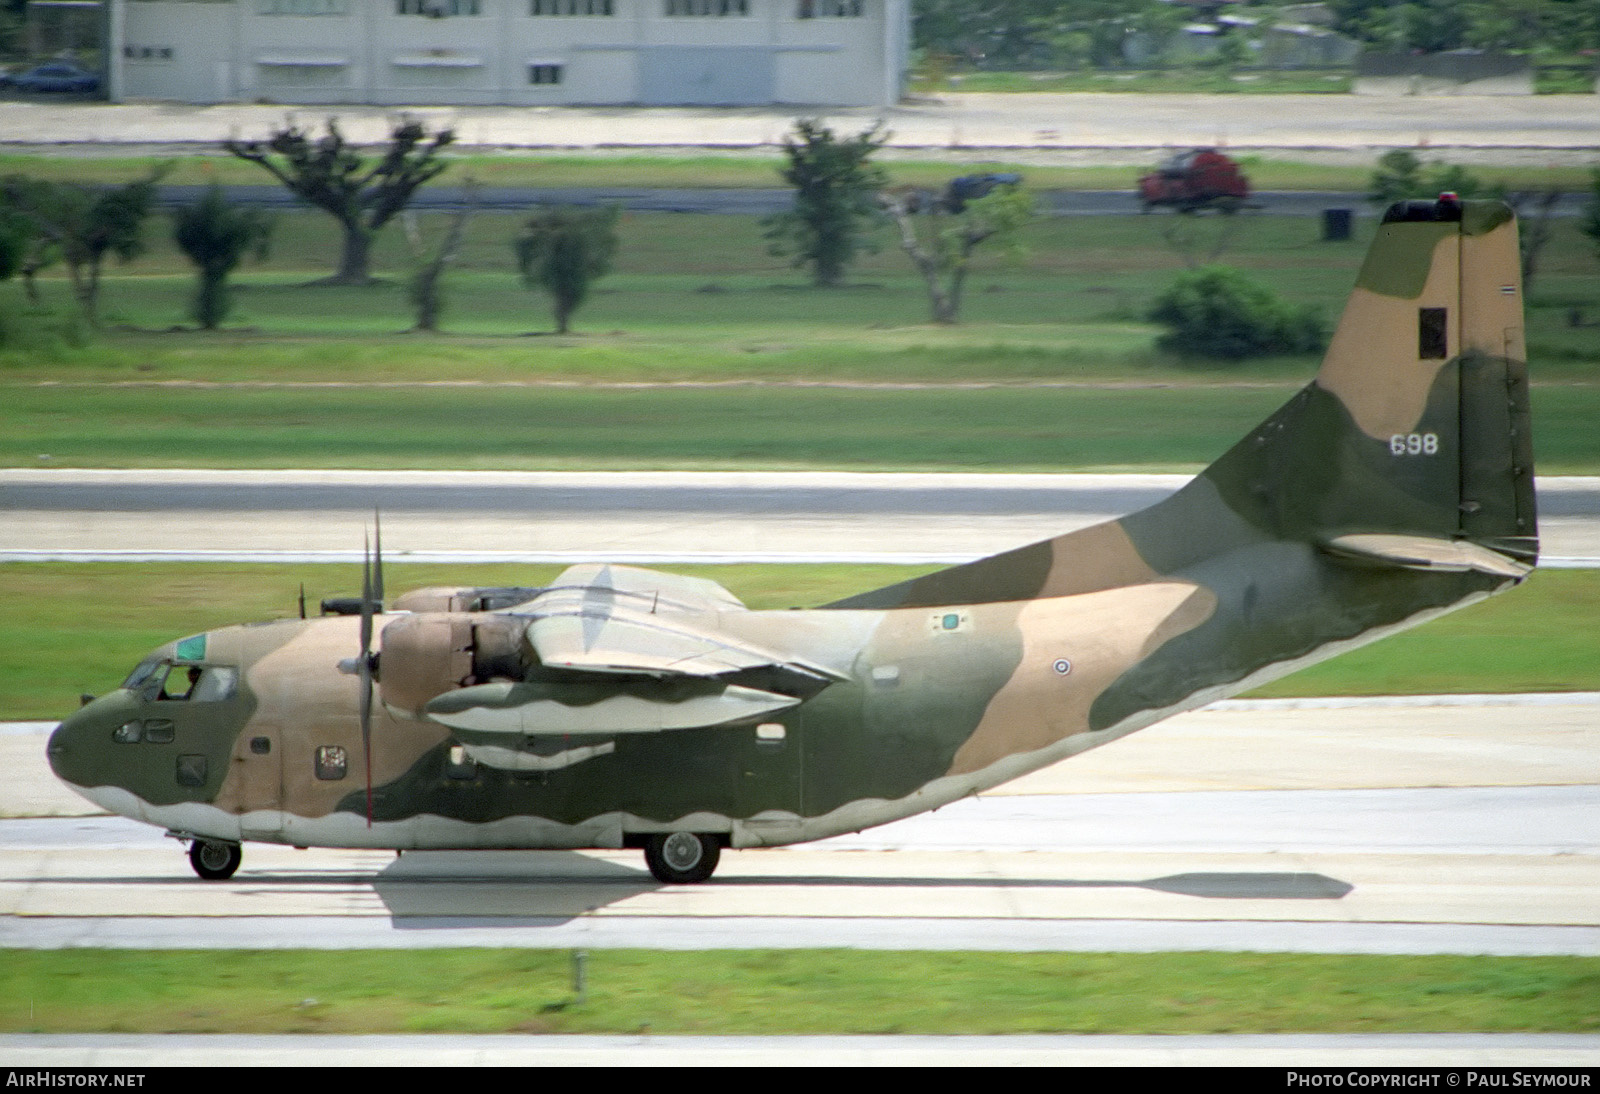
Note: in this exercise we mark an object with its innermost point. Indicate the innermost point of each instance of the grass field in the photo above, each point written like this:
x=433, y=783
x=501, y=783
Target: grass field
x=71, y=628
x=786, y=991
x=692, y=304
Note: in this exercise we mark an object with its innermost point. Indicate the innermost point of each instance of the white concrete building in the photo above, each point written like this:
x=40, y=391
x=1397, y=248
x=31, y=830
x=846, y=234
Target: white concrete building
x=511, y=52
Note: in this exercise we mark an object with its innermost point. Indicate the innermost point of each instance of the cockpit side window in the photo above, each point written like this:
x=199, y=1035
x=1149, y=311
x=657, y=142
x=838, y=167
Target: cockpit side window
x=217, y=684
x=168, y=682
x=180, y=682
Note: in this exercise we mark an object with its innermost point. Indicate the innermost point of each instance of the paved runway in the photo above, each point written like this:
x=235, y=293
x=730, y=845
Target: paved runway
x=1092, y=127
x=619, y=516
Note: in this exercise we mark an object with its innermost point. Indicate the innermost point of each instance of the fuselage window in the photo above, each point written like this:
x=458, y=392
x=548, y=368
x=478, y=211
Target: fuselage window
x=332, y=763
x=191, y=770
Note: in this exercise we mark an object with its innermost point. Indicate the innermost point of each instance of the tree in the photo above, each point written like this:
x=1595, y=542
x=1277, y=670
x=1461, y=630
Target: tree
x=84, y=225
x=940, y=240
x=216, y=236
x=1590, y=225
x=1534, y=209
x=1401, y=175
x=835, y=198
x=427, y=273
x=361, y=194
x=1219, y=313
x=563, y=249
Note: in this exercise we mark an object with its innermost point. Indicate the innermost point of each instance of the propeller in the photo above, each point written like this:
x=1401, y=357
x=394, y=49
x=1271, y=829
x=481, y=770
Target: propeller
x=365, y=664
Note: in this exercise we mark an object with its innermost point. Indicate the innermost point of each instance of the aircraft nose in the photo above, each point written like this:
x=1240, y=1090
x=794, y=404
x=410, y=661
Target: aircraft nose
x=65, y=750
x=73, y=749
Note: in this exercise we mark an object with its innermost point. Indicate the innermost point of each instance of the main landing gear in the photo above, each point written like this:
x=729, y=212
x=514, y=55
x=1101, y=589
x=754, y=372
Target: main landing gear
x=214, y=860
x=681, y=858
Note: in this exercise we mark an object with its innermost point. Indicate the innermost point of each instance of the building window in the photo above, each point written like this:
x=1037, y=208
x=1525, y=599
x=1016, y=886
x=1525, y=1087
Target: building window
x=544, y=74
x=147, y=53
x=829, y=9
x=707, y=7
x=302, y=7
x=436, y=9
x=569, y=7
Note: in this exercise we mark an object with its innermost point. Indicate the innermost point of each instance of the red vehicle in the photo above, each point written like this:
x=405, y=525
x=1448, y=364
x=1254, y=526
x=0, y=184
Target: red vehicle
x=1199, y=179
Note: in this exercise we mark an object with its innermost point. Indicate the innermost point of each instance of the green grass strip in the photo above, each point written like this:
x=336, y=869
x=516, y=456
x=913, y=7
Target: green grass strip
x=731, y=428
x=788, y=991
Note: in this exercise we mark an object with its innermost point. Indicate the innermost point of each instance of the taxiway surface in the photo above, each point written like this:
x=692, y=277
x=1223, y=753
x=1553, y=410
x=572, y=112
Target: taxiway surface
x=588, y=516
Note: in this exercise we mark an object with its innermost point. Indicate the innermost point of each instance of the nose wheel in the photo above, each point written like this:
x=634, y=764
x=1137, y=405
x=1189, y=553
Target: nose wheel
x=213, y=860
x=681, y=858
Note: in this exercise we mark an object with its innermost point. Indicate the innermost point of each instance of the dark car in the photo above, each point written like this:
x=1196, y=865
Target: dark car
x=972, y=187
x=55, y=76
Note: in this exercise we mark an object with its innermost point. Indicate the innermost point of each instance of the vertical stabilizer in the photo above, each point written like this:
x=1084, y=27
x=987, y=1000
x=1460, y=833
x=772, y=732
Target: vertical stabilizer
x=1410, y=449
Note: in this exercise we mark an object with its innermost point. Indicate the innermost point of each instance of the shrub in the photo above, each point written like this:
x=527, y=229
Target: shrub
x=1219, y=313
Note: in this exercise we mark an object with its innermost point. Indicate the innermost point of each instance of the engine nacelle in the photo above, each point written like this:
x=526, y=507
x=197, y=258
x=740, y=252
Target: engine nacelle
x=425, y=654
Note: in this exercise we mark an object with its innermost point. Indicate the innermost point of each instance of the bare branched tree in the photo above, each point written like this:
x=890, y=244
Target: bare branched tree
x=361, y=193
x=427, y=274
x=940, y=242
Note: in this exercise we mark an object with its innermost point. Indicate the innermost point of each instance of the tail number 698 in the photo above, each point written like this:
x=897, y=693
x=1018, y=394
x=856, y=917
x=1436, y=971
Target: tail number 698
x=1414, y=444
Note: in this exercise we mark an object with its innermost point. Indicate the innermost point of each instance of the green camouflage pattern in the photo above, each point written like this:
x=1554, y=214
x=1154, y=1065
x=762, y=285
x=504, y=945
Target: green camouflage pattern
x=620, y=702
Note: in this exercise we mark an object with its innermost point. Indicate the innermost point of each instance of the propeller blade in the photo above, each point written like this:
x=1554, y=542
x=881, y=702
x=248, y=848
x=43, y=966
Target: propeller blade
x=377, y=568
x=366, y=596
x=366, y=728
x=365, y=666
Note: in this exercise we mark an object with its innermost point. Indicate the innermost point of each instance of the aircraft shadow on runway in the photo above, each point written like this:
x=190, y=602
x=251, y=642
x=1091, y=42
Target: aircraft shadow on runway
x=518, y=889
x=564, y=885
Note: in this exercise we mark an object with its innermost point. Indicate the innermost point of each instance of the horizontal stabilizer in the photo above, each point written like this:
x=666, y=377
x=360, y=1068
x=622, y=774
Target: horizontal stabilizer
x=1426, y=553
x=525, y=710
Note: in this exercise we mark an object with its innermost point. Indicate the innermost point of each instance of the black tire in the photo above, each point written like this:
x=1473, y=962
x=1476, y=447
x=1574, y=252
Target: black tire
x=681, y=858
x=213, y=860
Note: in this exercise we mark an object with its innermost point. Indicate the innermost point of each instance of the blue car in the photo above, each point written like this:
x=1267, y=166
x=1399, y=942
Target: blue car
x=56, y=76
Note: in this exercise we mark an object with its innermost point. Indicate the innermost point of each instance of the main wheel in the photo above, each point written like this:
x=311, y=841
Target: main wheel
x=214, y=861
x=681, y=858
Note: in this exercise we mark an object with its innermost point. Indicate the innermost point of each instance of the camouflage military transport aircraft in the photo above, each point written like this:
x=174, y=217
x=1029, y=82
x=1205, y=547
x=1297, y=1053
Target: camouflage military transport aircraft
x=623, y=707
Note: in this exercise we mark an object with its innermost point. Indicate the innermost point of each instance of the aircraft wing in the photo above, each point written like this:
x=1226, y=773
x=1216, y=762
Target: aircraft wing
x=623, y=650
x=619, y=619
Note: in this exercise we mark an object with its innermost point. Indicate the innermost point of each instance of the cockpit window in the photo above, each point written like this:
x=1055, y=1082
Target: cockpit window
x=185, y=683
x=217, y=684
x=142, y=672
x=180, y=682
